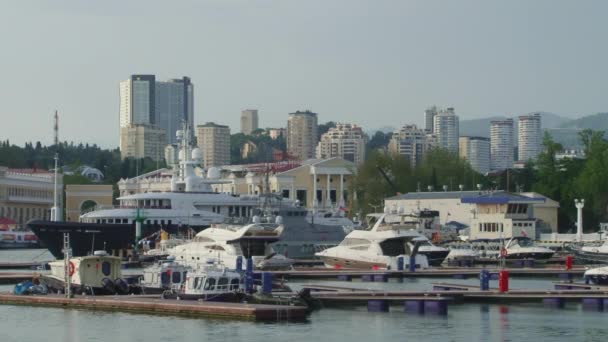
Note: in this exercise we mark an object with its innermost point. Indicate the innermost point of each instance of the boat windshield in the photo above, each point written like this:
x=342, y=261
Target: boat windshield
x=524, y=242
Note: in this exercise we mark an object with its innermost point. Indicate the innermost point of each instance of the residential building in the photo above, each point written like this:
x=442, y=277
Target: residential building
x=302, y=134
x=411, y=143
x=27, y=194
x=530, y=137
x=429, y=118
x=214, y=142
x=249, y=121
x=174, y=106
x=475, y=150
x=142, y=141
x=164, y=104
x=445, y=127
x=275, y=133
x=346, y=141
x=501, y=144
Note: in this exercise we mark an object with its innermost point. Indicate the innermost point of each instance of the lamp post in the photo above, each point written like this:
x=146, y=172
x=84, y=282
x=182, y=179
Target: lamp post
x=579, y=204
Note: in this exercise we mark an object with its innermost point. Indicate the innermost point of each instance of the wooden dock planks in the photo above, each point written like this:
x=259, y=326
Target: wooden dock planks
x=155, y=305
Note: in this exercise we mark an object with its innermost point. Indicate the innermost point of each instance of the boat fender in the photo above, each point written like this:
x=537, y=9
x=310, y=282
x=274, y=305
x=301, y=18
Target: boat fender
x=108, y=285
x=121, y=286
x=72, y=268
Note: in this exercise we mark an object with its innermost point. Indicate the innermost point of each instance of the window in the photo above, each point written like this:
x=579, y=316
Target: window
x=210, y=284
x=222, y=284
x=234, y=283
x=285, y=193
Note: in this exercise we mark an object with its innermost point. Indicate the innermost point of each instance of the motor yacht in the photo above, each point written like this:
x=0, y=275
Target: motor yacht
x=521, y=247
x=379, y=247
x=598, y=276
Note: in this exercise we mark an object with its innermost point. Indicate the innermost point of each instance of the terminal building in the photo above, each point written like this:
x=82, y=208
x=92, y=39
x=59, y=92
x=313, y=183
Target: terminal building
x=27, y=194
x=487, y=214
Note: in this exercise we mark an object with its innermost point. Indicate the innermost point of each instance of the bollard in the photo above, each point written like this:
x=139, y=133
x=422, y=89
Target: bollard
x=400, y=263
x=484, y=280
x=569, y=262
x=266, y=283
x=377, y=305
x=413, y=306
x=239, y=263
x=412, y=265
x=503, y=281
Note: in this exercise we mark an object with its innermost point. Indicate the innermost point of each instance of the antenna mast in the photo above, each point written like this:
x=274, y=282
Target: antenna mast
x=55, y=214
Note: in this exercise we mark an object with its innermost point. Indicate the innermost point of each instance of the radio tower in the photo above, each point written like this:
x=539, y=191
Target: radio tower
x=55, y=211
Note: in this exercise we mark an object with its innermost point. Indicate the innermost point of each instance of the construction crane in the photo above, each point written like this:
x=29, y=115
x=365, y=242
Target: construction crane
x=388, y=180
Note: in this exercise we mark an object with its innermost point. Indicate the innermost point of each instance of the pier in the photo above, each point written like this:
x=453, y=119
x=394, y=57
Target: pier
x=155, y=305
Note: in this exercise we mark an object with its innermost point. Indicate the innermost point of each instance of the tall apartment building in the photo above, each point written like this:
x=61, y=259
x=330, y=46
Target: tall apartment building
x=302, y=134
x=530, y=137
x=174, y=105
x=214, y=142
x=142, y=141
x=346, y=141
x=475, y=150
x=445, y=127
x=249, y=121
x=165, y=105
x=501, y=144
x=429, y=118
x=411, y=143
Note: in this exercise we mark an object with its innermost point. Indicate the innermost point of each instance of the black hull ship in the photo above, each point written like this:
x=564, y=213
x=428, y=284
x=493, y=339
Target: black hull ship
x=88, y=237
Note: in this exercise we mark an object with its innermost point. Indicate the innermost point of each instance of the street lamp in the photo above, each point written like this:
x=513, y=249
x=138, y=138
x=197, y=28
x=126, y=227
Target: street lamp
x=579, y=204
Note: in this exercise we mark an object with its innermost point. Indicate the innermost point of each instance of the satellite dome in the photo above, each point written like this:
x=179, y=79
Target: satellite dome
x=213, y=173
x=197, y=154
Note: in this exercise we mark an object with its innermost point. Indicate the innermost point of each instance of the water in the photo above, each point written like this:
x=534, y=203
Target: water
x=467, y=322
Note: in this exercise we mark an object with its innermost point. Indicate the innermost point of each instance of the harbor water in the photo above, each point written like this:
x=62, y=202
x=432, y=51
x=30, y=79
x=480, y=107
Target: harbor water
x=464, y=322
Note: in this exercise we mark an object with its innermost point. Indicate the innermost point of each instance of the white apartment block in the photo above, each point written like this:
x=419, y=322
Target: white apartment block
x=411, y=143
x=475, y=150
x=446, y=128
x=214, y=142
x=501, y=144
x=346, y=141
x=302, y=134
x=530, y=137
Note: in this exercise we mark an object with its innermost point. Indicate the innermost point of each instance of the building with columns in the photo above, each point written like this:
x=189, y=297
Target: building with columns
x=27, y=194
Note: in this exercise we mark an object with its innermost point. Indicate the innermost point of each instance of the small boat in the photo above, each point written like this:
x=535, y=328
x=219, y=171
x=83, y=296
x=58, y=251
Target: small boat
x=435, y=254
x=210, y=283
x=97, y=274
x=461, y=253
x=593, y=254
x=165, y=275
x=598, y=276
x=522, y=247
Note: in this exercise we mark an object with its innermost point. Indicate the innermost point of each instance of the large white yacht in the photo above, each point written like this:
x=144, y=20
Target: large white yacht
x=226, y=243
x=379, y=247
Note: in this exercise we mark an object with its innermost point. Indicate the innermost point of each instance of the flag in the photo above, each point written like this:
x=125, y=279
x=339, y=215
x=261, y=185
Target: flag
x=523, y=233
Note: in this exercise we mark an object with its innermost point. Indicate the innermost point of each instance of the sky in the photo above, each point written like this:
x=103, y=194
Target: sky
x=373, y=63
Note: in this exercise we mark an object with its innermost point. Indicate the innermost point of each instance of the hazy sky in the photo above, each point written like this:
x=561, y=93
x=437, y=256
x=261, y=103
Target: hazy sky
x=374, y=63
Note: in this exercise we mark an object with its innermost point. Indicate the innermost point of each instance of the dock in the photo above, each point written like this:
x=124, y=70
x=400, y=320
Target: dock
x=16, y=277
x=154, y=305
x=439, y=272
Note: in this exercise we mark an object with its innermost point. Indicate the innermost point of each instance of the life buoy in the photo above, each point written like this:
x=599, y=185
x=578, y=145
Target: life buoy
x=71, y=269
x=503, y=252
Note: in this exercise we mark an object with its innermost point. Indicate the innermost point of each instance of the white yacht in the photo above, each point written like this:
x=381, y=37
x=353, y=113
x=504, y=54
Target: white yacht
x=598, y=276
x=379, y=247
x=521, y=247
x=226, y=243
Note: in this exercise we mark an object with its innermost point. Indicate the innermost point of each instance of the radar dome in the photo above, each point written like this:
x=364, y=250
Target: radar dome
x=213, y=173
x=197, y=154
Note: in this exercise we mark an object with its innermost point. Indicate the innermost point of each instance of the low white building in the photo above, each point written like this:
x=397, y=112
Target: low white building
x=457, y=206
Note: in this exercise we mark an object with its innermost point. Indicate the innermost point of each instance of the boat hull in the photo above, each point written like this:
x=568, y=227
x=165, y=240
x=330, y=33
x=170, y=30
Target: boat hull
x=435, y=258
x=87, y=237
x=535, y=256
